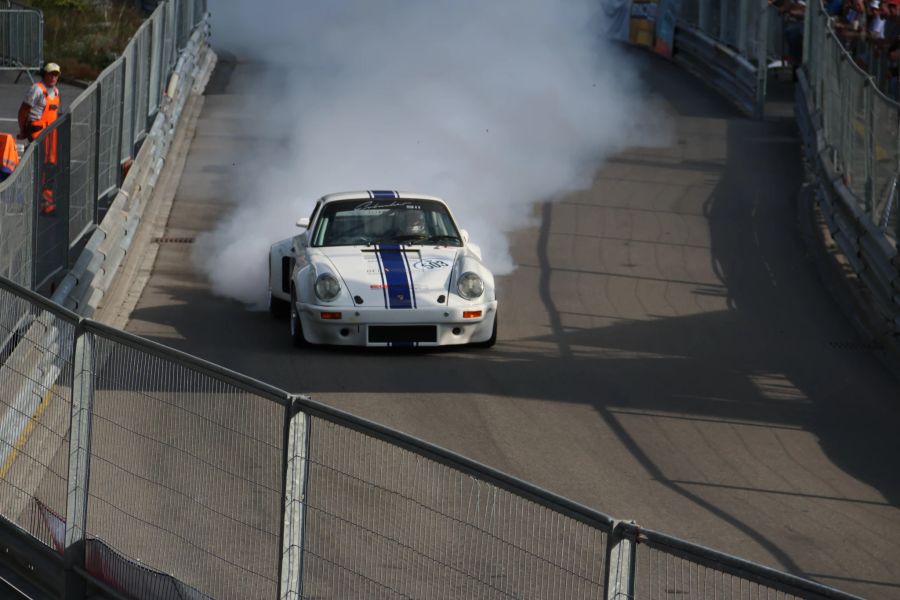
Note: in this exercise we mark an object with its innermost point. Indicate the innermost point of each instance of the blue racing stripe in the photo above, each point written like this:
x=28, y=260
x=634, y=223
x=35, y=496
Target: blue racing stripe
x=383, y=194
x=412, y=283
x=394, y=267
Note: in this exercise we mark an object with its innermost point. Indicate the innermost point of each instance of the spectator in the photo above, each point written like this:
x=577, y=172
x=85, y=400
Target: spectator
x=793, y=14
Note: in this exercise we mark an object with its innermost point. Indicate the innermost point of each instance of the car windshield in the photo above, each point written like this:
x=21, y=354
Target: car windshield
x=389, y=221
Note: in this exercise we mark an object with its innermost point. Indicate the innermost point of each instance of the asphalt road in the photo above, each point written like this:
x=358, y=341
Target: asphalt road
x=667, y=352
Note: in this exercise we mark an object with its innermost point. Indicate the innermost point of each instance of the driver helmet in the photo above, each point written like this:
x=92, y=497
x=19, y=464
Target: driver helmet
x=412, y=222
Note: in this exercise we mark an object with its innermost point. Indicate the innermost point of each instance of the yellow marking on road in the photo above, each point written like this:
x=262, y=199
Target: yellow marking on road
x=26, y=432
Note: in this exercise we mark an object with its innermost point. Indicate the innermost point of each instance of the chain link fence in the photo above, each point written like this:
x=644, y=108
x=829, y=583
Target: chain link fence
x=81, y=160
x=861, y=124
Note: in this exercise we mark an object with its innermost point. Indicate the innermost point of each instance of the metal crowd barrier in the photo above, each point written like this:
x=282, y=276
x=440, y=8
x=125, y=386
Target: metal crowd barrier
x=95, y=141
x=21, y=37
x=730, y=45
x=149, y=473
x=851, y=132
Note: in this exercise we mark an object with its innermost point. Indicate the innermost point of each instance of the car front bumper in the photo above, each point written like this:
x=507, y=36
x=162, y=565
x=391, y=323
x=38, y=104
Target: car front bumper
x=356, y=325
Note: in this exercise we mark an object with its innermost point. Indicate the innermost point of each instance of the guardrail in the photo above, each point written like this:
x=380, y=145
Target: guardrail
x=95, y=142
x=154, y=474
x=21, y=37
x=852, y=142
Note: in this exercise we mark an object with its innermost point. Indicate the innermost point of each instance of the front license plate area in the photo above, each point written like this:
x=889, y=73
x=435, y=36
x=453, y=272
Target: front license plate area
x=387, y=334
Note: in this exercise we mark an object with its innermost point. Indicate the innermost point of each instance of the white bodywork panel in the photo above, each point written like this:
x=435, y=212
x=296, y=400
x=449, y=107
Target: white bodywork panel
x=381, y=287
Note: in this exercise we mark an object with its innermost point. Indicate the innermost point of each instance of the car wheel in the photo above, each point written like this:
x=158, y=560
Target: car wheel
x=491, y=340
x=278, y=308
x=296, y=326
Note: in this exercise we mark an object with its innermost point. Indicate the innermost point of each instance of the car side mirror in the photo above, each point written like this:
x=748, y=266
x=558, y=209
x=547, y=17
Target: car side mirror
x=465, y=236
x=303, y=222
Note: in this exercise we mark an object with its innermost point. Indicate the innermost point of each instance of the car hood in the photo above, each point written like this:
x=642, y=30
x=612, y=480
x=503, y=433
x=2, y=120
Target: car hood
x=393, y=276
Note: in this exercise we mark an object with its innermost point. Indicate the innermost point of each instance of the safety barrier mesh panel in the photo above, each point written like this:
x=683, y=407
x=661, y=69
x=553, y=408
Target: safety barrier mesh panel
x=52, y=161
x=855, y=127
x=142, y=80
x=861, y=125
x=690, y=12
x=886, y=160
x=110, y=134
x=35, y=402
x=200, y=9
x=17, y=225
x=832, y=98
x=813, y=52
x=384, y=522
x=128, y=101
x=170, y=38
x=186, y=472
x=156, y=64
x=183, y=10
x=21, y=39
x=82, y=167
x=662, y=573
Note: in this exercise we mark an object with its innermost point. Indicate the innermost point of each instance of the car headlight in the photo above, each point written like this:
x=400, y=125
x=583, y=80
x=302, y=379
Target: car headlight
x=327, y=287
x=470, y=286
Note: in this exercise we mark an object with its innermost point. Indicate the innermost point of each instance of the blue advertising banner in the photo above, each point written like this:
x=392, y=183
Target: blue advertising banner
x=666, y=16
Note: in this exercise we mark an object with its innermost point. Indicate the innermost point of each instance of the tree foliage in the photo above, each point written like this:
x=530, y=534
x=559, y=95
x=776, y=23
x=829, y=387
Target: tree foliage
x=84, y=36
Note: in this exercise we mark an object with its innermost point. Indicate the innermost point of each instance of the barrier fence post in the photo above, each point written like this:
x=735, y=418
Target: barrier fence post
x=294, y=506
x=762, y=57
x=621, y=562
x=79, y=464
x=703, y=16
x=98, y=120
x=35, y=209
x=869, y=102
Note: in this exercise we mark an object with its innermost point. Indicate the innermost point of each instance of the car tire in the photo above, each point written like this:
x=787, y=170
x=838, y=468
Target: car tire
x=296, y=326
x=278, y=308
x=488, y=343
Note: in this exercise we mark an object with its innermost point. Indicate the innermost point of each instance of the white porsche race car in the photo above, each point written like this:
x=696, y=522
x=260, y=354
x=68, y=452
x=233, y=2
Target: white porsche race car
x=382, y=269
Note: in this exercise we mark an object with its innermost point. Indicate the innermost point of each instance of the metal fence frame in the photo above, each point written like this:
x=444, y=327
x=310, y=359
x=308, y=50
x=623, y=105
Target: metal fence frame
x=96, y=139
x=861, y=124
x=21, y=38
x=730, y=44
x=363, y=510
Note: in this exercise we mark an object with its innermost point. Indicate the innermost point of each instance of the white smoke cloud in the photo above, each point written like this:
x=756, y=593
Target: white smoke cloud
x=492, y=105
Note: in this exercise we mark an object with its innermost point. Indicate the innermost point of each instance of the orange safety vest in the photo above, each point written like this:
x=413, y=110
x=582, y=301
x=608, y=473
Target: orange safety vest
x=51, y=111
x=9, y=156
